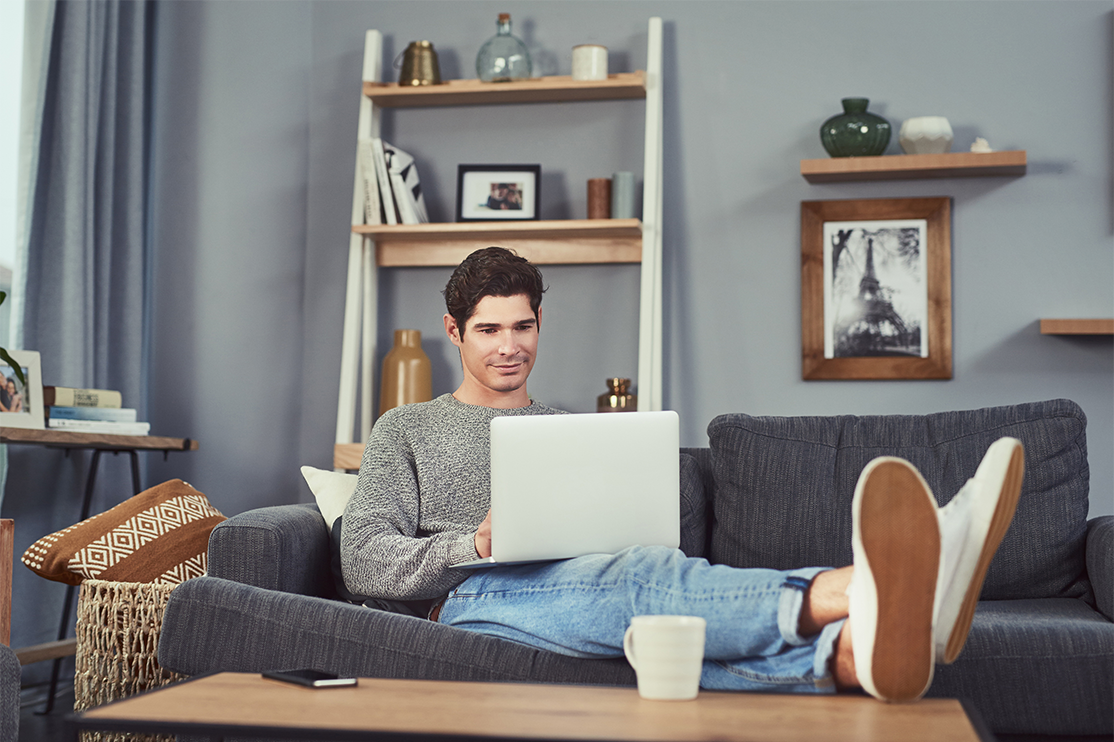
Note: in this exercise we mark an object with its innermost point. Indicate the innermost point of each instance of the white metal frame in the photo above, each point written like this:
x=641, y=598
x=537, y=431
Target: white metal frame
x=358, y=351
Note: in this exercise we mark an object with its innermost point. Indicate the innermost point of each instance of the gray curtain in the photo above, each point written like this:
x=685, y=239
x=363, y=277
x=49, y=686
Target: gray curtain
x=84, y=281
x=83, y=284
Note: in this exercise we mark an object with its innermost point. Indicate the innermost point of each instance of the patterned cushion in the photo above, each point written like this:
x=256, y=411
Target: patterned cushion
x=161, y=535
x=783, y=487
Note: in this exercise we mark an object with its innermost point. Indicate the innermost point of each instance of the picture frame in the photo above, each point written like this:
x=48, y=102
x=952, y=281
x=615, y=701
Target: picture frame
x=28, y=397
x=486, y=193
x=876, y=289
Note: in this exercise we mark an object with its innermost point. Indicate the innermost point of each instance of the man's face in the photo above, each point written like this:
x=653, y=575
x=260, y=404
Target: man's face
x=497, y=350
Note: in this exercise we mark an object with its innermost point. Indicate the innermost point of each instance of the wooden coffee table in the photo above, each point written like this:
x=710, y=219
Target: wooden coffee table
x=248, y=705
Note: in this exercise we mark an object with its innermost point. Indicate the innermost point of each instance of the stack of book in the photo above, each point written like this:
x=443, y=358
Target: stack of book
x=90, y=411
x=392, y=191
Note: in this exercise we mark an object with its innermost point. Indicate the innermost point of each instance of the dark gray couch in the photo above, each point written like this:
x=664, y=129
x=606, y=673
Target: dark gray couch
x=9, y=693
x=767, y=492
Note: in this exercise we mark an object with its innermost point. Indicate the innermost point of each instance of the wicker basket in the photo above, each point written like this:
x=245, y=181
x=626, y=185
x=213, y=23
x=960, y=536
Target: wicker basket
x=118, y=627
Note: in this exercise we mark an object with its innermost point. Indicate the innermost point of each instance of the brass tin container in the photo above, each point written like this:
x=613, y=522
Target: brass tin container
x=419, y=65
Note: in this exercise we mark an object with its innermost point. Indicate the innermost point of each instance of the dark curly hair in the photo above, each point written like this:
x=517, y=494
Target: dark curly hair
x=492, y=271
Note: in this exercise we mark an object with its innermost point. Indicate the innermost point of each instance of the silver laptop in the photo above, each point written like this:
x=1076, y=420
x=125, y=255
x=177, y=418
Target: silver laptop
x=564, y=486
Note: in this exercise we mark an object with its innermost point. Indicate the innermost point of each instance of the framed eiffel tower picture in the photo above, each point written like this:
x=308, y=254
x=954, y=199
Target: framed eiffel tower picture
x=876, y=289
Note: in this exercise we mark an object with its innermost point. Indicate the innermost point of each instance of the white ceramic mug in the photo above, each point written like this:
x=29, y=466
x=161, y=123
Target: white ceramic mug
x=667, y=654
x=589, y=62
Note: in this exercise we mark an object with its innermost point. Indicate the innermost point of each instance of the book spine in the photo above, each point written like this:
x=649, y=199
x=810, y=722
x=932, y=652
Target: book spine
x=100, y=426
x=372, y=211
x=384, y=180
x=109, y=414
x=405, y=209
x=64, y=396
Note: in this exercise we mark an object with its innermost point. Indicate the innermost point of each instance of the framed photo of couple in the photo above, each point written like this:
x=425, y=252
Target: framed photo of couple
x=21, y=402
x=486, y=193
x=876, y=289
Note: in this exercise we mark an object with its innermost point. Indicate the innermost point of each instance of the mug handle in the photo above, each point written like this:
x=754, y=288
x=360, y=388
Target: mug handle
x=628, y=647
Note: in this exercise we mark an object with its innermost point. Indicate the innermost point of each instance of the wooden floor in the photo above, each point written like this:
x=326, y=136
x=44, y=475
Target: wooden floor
x=36, y=727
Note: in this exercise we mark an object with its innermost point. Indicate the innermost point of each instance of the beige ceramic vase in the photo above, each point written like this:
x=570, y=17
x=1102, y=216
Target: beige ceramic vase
x=406, y=372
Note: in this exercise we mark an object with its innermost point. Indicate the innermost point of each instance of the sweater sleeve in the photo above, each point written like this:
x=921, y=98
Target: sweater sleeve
x=384, y=554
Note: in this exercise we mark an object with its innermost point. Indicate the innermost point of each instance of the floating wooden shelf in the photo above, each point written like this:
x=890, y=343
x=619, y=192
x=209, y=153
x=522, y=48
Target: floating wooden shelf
x=563, y=88
x=571, y=241
x=909, y=167
x=1077, y=327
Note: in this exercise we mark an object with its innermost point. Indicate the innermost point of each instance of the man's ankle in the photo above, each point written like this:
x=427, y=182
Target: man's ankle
x=825, y=601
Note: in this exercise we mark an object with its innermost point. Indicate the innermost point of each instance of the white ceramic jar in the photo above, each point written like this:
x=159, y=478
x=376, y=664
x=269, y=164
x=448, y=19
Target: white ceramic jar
x=925, y=135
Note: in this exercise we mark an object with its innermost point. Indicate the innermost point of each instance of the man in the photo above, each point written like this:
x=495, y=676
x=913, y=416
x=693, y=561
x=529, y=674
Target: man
x=421, y=505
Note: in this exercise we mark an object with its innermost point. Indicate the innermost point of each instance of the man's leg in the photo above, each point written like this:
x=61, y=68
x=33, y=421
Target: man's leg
x=581, y=607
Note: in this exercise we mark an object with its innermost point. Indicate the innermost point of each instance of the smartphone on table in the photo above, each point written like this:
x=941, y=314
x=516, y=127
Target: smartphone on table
x=310, y=678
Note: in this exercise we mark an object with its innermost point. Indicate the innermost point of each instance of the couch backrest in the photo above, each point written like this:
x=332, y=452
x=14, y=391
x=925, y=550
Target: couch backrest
x=781, y=487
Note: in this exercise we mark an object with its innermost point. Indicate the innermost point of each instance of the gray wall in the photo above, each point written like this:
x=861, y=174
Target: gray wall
x=254, y=167
x=253, y=156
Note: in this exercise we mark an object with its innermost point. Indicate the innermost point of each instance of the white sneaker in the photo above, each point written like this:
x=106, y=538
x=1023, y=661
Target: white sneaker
x=896, y=544
x=971, y=527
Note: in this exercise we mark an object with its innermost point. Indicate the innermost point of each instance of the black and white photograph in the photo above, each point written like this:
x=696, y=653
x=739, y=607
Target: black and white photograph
x=21, y=400
x=875, y=289
x=497, y=192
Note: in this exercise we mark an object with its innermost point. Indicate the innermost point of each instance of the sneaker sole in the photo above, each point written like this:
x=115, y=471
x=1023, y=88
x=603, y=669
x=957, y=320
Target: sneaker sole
x=898, y=527
x=999, y=524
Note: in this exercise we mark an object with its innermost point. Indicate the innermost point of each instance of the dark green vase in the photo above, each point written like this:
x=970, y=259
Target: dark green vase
x=855, y=133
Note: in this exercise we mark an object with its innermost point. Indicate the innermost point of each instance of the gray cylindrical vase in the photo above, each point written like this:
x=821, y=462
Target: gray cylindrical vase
x=622, y=196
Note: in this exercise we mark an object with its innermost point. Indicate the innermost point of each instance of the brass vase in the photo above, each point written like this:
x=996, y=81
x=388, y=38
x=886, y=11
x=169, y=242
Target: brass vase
x=618, y=397
x=407, y=374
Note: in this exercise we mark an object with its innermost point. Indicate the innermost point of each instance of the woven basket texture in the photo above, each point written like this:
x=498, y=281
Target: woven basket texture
x=118, y=626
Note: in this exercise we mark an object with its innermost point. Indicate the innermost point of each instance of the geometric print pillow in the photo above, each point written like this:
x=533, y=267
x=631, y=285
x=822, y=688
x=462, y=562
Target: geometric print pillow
x=161, y=535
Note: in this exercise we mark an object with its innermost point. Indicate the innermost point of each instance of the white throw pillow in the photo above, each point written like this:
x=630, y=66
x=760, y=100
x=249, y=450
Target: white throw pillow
x=332, y=489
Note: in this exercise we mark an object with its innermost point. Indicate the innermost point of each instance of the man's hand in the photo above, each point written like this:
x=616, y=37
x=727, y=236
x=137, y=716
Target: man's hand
x=483, y=537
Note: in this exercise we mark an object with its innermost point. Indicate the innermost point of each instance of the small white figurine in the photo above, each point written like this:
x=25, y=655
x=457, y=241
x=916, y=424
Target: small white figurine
x=981, y=145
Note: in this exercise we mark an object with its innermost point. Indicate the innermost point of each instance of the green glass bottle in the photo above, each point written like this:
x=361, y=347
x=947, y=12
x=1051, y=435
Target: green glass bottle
x=855, y=132
x=503, y=57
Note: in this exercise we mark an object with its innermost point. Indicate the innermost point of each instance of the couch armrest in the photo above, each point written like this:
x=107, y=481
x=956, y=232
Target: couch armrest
x=284, y=547
x=9, y=693
x=213, y=625
x=1100, y=562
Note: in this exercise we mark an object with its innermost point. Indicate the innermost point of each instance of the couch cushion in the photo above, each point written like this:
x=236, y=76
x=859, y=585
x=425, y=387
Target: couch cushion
x=331, y=489
x=160, y=535
x=694, y=507
x=783, y=487
x=1036, y=667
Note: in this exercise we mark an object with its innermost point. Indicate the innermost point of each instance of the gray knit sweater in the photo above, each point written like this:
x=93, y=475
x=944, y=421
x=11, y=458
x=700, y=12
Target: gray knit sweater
x=424, y=488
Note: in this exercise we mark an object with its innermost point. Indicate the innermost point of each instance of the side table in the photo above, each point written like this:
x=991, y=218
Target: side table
x=98, y=443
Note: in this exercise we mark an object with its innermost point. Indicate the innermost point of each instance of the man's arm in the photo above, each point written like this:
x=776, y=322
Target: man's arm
x=482, y=537
x=384, y=552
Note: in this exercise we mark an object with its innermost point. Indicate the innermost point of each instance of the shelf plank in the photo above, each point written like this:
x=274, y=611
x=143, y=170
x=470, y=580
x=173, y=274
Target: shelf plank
x=1077, y=327
x=562, y=88
x=105, y=441
x=348, y=456
x=909, y=167
x=556, y=242
x=47, y=651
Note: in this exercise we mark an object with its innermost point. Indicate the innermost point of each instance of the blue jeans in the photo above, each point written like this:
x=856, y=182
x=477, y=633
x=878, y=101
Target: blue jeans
x=581, y=608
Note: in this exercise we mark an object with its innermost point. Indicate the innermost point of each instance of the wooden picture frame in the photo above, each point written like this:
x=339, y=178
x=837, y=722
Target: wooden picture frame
x=28, y=398
x=876, y=289
x=486, y=193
